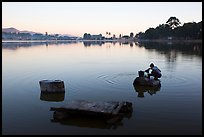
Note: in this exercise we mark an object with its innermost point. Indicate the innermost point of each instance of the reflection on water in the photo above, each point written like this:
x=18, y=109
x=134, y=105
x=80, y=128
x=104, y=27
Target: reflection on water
x=16, y=45
x=100, y=43
x=102, y=72
x=89, y=43
x=90, y=122
x=54, y=97
x=171, y=50
x=141, y=90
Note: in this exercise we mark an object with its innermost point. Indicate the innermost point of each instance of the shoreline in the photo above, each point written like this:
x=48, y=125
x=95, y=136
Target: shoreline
x=159, y=40
x=115, y=40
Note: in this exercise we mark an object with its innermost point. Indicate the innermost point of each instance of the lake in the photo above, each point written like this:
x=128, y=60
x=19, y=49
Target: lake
x=102, y=71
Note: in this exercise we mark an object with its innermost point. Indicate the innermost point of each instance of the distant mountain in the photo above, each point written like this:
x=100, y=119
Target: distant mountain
x=10, y=30
x=14, y=30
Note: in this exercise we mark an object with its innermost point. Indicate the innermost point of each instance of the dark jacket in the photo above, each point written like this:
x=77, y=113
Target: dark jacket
x=156, y=72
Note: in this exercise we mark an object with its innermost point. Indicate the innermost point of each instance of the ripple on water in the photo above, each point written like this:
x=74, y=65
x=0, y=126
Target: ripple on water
x=118, y=80
x=179, y=81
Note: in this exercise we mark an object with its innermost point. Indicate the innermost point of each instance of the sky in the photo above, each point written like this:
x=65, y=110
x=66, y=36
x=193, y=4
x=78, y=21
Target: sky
x=77, y=18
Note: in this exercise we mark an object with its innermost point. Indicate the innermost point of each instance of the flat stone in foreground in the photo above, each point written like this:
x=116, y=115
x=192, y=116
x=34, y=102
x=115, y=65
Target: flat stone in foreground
x=110, y=110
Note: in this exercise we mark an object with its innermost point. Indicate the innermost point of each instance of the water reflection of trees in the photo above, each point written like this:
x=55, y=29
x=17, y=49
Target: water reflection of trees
x=126, y=43
x=94, y=43
x=15, y=45
x=100, y=43
x=141, y=90
x=171, y=50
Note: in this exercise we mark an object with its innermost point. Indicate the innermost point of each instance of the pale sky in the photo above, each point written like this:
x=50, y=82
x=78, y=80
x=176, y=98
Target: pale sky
x=77, y=18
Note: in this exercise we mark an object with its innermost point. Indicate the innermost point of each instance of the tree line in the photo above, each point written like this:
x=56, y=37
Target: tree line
x=173, y=29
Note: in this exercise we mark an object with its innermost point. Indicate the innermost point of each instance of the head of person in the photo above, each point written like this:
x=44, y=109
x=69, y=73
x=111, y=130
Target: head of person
x=151, y=65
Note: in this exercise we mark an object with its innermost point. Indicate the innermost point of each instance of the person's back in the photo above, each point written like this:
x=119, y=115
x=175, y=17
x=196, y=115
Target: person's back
x=156, y=71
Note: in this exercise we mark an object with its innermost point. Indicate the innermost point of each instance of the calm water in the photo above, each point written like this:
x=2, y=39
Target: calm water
x=102, y=72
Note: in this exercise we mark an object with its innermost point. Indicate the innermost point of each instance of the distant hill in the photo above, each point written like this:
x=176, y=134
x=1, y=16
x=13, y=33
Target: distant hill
x=14, y=30
x=15, y=34
x=10, y=30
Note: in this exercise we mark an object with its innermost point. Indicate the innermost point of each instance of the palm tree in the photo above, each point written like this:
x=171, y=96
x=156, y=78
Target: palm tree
x=120, y=36
x=107, y=33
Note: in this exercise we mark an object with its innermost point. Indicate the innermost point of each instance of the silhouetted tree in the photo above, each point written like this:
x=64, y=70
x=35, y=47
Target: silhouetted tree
x=108, y=33
x=173, y=22
x=87, y=36
x=190, y=30
x=150, y=33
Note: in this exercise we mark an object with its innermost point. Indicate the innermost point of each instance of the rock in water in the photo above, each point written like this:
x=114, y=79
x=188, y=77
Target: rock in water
x=144, y=81
x=52, y=86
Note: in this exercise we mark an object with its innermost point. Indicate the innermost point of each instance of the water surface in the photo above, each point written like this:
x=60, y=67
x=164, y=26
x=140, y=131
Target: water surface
x=99, y=71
